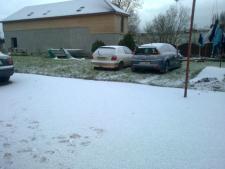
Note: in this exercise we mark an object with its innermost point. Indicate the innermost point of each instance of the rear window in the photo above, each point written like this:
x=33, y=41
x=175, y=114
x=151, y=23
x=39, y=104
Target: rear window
x=106, y=51
x=146, y=51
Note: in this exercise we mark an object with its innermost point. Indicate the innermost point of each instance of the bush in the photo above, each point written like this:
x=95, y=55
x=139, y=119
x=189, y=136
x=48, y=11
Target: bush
x=96, y=45
x=128, y=41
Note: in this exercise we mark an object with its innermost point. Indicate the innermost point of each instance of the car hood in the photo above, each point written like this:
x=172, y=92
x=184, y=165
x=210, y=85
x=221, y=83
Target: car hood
x=3, y=56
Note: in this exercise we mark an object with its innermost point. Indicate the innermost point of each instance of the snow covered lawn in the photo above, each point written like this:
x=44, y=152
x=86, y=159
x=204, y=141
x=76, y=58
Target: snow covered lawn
x=210, y=78
x=60, y=123
x=84, y=70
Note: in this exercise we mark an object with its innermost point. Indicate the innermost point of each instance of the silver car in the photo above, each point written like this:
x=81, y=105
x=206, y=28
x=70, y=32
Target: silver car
x=159, y=56
x=114, y=57
x=6, y=67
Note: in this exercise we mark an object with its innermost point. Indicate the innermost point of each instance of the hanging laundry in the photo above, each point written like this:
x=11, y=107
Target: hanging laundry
x=217, y=40
x=218, y=36
x=200, y=40
x=211, y=36
x=223, y=44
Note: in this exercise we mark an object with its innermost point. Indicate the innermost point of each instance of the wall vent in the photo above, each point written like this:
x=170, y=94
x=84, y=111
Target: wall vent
x=46, y=12
x=31, y=13
x=80, y=9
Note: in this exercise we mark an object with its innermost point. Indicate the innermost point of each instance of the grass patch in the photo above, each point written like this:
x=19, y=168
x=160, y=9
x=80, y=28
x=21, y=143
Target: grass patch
x=83, y=69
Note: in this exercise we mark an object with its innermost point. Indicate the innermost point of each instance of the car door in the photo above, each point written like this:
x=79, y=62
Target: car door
x=128, y=55
x=121, y=54
x=171, y=56
x=177, y=60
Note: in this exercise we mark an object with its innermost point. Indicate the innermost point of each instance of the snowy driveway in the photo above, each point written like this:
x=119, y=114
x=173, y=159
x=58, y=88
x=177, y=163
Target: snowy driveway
x=59, y=123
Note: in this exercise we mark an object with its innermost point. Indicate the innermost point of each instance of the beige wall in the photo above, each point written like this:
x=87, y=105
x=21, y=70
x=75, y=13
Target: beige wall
x=118, y=23
x=105, y=23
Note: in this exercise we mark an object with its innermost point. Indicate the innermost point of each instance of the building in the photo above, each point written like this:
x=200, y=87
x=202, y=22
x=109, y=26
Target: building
x=69, y=24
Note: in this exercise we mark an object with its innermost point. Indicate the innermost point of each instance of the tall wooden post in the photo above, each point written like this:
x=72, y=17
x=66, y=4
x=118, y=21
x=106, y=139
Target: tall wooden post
x=189, y=49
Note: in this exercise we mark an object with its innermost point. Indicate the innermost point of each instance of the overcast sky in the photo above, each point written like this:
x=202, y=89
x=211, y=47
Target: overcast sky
x=150, y=9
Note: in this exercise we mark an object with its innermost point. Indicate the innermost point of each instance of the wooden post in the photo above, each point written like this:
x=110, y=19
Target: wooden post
x=189, y=49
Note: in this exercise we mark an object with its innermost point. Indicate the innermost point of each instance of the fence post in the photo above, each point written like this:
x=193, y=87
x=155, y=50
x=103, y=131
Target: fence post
x=189, y=49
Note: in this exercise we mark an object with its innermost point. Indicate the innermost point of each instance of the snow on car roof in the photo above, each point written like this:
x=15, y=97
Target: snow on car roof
x=66, y=8
x=111, y=46
x=162, y=47
x=155, y=45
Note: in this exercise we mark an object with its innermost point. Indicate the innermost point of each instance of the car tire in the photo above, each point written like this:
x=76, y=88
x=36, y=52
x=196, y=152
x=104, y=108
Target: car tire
x=165, y=69
x=4, y=79
x=133, y=69
x=120, y=66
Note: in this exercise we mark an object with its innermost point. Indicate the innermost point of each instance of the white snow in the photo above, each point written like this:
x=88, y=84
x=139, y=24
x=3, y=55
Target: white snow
x=210, y=78
x=210, y=72
x=162, y=47
x=67, y=8
x=61, y=123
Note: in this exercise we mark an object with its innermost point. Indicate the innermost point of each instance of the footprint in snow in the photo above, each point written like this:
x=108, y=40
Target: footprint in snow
x=64, y=141
x=24, y=141
x=34, y=122
x=44, y=159
x=51, y=152
x=8, y=125
x=6, y=145
x=59, y=137
x=85, y=143
x=33, y=138
x=33, y=125
x=35, y=156
x=98, y=131
x=75, y=136
x=7, y=156
x=26, y=150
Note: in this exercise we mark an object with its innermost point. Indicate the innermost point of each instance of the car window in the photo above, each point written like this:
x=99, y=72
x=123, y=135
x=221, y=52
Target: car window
x=127, y=50
x=146, y=51
x=105, y=51
x=121, y=50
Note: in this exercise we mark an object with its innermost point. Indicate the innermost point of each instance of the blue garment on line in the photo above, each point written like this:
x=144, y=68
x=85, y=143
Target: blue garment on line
x=200, y=40
x=211, y=36
x=217, y=39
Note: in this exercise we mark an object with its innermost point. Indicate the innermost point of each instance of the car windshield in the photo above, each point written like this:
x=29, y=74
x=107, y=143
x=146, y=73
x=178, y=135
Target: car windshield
x=146, y=51
x=106, y=51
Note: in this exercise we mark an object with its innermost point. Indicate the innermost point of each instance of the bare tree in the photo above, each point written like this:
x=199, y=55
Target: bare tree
x=130, y=6
x=133, y=22
x=167, y=27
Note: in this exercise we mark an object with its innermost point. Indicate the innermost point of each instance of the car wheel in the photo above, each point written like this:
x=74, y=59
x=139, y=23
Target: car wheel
x=165, y=69
x=120, y=66
x=4, y=79
x=133, y=69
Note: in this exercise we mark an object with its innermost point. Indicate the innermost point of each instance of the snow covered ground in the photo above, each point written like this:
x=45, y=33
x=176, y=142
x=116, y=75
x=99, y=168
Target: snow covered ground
x=60, y=123
x=210, y=78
